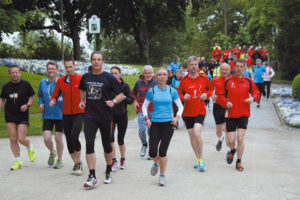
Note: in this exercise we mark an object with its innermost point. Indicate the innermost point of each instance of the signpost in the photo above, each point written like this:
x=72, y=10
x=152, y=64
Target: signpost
x=94, y=27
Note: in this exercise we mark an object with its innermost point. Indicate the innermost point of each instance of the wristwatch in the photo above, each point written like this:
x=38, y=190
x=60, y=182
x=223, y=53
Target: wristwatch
x=28, y=105
x=114, y=101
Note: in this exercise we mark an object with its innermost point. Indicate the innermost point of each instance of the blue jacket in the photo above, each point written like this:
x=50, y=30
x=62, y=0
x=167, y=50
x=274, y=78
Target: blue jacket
x=258, y=72
x=174, y=66
x=46, y=89
x=175, y=83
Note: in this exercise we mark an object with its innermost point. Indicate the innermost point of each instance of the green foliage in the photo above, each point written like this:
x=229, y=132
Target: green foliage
x=296, y=87
x=288, y=41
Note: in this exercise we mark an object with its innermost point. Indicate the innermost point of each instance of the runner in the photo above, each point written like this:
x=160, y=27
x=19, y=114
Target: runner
x=139, y=92
x=72, y=114
x=162, y=123
x=97, y=90
x=18, y=97
x=51, y=115
x=237, y=89
x=194, y=88
x=120, y=118
x=220, y=103
x=268, y=77
x=259, y=72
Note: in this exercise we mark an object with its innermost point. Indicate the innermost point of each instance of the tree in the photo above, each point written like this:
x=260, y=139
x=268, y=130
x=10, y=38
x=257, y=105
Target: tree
x=288, y=41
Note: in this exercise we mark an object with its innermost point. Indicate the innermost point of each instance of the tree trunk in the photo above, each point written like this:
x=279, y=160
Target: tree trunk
x=226, y=5
x=76, y=45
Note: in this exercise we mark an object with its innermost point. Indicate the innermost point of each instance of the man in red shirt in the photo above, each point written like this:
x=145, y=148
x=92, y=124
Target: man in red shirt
x=194, y=88
x=264, y=53
x=68, y=85
x=217, y=53
x=237, y=51
x=220, y=102
x=248, y=60
x=232, y=63
x=226, y=55
x=237, y=89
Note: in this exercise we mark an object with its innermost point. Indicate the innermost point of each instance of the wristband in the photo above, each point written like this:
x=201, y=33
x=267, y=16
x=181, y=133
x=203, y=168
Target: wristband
x=28, y=105
x=114, y=101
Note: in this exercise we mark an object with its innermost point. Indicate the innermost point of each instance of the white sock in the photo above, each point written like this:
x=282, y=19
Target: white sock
x=221, y=139
x=228, y=149
x=30, y=147
x=18, y=158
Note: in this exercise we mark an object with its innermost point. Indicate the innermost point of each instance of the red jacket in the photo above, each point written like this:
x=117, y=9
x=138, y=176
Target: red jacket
x=217, y=53
x=231, y=63
x=250, y=52
x=218, y=84
x=249, y=62
x=225, y=54
x=237, y=91
x=70, y=93
x=237, y=52
x=264, y=53
x=194, y=87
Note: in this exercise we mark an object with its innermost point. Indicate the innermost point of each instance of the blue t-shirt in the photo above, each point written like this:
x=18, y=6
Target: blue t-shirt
x=258, y=72
x=174, y=67
x=175, y=83
x=45, y=91
x=162, y=103
x=247, y=73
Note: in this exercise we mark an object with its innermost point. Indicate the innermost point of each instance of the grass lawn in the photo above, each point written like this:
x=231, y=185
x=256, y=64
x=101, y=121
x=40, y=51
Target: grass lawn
x=35, y=114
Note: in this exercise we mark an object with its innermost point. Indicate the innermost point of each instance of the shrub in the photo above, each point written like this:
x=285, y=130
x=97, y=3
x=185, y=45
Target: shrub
x=296, y=87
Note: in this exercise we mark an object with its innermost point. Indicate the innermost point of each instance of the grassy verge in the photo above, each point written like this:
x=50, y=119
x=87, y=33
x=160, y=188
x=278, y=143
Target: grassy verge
x=35, y=117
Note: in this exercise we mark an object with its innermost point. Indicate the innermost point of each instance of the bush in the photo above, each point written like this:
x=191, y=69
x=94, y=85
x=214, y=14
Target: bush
x=296, y=87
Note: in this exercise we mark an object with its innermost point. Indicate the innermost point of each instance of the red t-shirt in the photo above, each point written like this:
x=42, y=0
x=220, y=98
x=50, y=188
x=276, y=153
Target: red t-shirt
x=249, y=62
x=231, y=63
x=195, y=87
x=225, y=54
x=218, y=85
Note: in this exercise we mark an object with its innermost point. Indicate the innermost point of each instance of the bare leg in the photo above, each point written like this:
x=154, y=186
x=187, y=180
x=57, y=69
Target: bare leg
x=22, y=129
x=48, y=141
x=231, y=139
x=240, y=142
x=91, y=160
x=122, y=150
x=108, y=158
x=13, y=136
x=219, y=130
x=113, y=149
x=59, y=145
x=196, y=139
x=163, y=164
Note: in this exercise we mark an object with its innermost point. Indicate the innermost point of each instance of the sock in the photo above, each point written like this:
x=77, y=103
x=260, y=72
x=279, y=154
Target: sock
x=92, y=173
x=29, y=148
x=221, y=139
x=122, y=158
x=155, y=164
x=238, y=160
x=228, y=149
x=162, y=175
x=108, y=169
x=232, y=151
x=114, y=159
x=18, y=158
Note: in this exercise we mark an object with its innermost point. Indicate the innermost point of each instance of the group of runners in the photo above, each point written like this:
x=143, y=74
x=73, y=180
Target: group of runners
x=98, y=100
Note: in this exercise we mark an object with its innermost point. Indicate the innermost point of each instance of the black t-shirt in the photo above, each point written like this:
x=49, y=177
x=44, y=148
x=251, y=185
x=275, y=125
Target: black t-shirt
x=99, y=88
x=16, y=95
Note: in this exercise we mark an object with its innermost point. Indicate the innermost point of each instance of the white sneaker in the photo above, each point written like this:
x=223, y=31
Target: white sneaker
x=108, y=178
x=162, y=181
x=143, y=151
x=114, y=166
x=90, y=183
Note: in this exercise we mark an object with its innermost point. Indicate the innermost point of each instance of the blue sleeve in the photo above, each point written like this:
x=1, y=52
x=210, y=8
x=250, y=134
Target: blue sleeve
x=175, y=95
x=40, y=94
x=173, y=83
x=264, y=69
x=149, y=95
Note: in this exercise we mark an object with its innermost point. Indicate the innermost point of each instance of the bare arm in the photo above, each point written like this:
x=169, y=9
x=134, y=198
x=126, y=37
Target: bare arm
x=82, y=99
x=116, y=100
x=25, y=107
x=2, y=102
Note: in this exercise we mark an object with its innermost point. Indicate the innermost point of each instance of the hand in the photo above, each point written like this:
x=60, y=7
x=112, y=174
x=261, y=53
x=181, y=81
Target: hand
x=249, y=100
x=203, y=96
x=24, y=108
x=187, y=97
x=175, y=120
x=42, y=107
x=229, y=105
x=52, y=103
x=148, y=123
x=109, y=103
x=136, y=105
x=214, y=97
x=82, y=105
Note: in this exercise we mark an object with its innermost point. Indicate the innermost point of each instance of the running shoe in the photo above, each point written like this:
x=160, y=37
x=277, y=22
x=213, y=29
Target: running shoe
x=219, y=145
x=31, y=154
x=239, y=167
x=154, y=169
x=108, y=177
x=51, y=158
x=202, y=165
x=58, y=164
x=143, y=151
x=230, y=156
x=162, y=181
x=114, y=166
x=17, y=165
x=74, y=169
x=122, y=164
x=79, y=170
x=258, y=105
x=197, y=164
x=148, y=158
x=90, y=183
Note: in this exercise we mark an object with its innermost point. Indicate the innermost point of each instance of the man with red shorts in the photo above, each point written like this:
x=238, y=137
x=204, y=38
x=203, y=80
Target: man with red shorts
x=237, y=89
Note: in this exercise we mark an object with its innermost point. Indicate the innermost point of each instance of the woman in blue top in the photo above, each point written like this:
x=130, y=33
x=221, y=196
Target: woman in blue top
x=161, y=126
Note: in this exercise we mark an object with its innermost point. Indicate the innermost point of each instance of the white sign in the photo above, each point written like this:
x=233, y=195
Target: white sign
x=94, y=24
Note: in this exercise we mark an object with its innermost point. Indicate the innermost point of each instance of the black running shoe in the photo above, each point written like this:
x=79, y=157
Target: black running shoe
x=219, y=145
x=230, y=156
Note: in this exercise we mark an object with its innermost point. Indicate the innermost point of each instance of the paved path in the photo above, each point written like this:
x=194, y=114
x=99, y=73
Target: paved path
x=271, y=160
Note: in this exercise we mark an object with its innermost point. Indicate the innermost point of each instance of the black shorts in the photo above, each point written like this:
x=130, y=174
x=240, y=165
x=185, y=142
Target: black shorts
x=219, y=114
x=233, y=123
x=190, y=121
x=49, y=123
x=17, y=118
